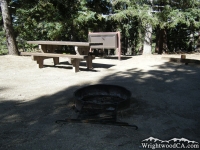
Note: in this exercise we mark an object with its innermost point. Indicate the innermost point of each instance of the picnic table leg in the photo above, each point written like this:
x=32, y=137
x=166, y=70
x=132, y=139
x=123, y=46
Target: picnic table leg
x=39, y=60
x=89, y=62
x=56, y=60
x=75, y=64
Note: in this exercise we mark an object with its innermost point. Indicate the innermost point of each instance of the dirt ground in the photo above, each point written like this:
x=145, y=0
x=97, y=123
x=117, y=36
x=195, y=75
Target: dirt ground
x=165, y=103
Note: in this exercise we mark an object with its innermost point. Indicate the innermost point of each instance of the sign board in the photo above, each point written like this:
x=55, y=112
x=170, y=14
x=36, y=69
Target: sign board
x=110, y=40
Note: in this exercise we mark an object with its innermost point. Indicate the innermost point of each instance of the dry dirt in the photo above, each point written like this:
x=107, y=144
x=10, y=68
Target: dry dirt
x=165, y=103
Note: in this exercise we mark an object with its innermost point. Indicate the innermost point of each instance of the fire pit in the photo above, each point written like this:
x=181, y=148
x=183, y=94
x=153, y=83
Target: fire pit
x=102, y=94
x=99, y=104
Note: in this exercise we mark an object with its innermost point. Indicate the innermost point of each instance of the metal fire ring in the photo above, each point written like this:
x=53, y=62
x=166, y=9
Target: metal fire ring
x=99, y=90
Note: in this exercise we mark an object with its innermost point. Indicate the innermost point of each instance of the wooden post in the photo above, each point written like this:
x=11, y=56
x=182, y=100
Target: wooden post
x=75, y=64
x=56, y=60
x=90, y=50
x=184, y=57
x=89, y=62
x=119, y=46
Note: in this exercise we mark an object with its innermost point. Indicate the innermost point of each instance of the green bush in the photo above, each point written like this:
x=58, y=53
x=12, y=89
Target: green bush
x=3, y=46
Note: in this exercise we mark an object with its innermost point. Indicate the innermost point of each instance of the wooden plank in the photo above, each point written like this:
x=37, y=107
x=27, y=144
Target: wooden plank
x=54, y=55
x=103, y=33
x=172, y=59
x=179, y=60
x=70, y=43
x=73, y=59
x=190, y=61
x=110, y=40
x=40, y=61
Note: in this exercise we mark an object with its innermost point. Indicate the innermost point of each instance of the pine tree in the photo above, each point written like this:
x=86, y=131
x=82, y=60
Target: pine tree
x=174, y=15
x=72, y=20
x=46, y=19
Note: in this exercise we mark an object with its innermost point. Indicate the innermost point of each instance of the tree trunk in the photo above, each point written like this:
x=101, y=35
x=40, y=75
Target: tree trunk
x=148, y=34
x=157, y=41
x=161, y=41
x=198, y=44
x=147, y=40
x=11, y=43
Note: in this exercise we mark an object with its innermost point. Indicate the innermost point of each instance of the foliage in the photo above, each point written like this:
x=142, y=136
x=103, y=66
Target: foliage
x=48, y=20
x=180, y=19
x=132, y=18
x=72, y=20
x=3, y=46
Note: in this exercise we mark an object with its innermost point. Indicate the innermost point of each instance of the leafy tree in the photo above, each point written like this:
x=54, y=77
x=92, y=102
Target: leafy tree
x=90, y=15
x=7, y=22
x=132, y=18
x=174, y=22
x=167, y=17
x=175, y=16
x=46, y=19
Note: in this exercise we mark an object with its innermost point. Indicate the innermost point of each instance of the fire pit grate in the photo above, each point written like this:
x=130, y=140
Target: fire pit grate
x=99, y=104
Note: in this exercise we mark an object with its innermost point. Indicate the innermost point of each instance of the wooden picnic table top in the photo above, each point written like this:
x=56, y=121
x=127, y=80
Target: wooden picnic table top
x=71, y=43
x=54, y=55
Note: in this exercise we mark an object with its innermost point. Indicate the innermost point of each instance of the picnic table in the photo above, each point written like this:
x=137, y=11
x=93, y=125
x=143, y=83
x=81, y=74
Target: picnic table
x=81, y=48
x=48, y=49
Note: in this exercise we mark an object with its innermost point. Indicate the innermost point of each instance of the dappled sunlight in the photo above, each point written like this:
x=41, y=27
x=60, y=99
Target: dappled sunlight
x=169, y=81
x=12, y=118
x=32, y=122
x=54, y=131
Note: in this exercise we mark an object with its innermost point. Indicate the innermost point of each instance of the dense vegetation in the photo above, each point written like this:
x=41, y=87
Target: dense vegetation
x=175, y=23
x=3, y=47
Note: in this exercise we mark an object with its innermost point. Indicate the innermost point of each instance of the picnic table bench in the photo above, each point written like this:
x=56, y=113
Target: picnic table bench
x=48, y=51
x=72, y=59
x=182, y=60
